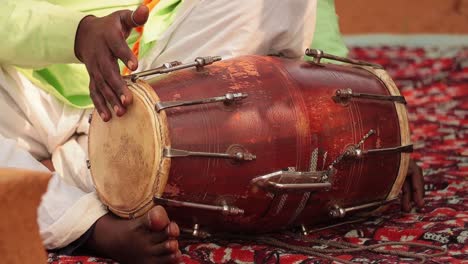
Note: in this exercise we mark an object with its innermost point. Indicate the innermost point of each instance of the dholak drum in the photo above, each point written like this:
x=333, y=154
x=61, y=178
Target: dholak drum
x=254, y=143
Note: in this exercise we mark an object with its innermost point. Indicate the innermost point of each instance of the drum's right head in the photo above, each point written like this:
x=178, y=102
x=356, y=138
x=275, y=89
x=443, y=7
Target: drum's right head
x=126, y=155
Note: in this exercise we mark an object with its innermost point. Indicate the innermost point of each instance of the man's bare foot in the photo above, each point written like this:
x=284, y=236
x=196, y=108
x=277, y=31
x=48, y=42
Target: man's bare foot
x=148, y=239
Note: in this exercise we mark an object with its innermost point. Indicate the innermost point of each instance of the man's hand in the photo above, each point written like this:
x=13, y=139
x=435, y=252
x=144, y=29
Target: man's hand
x=413, y=189
x=99, y=43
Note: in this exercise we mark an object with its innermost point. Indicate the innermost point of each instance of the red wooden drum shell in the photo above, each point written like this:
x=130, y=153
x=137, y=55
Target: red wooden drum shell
x=290, y=119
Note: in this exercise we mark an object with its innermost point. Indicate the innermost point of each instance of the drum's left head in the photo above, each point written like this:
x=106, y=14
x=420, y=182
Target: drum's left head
x=125, y=155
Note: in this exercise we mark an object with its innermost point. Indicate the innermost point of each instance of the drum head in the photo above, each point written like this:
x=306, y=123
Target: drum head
x=126, y=155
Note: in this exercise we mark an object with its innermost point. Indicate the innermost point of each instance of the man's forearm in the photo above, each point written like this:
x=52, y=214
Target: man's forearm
x=37, y=33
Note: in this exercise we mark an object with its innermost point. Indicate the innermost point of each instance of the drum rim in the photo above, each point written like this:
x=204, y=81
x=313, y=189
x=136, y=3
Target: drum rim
x=161, y=166
x=405, y=136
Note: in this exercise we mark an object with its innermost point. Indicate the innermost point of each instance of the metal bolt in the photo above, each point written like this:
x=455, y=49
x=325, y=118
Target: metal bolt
x=229, y=96
x=195, y=232
x=239, y=155
x=337, y=212
x=304, y=230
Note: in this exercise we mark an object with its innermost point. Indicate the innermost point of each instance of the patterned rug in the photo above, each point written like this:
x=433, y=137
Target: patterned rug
x=435, y=84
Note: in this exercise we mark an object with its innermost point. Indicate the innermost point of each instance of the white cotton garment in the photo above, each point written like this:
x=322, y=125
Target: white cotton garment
x=233, y=28
x=34, y=125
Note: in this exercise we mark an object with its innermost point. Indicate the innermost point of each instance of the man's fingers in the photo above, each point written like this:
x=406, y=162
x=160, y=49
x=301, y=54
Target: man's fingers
x=99, y=102
x=119, y=48
x=109, y=94
x=406, y=197
x=115, y=81
x=101, y=42
x=136, y=18
x=417, y=182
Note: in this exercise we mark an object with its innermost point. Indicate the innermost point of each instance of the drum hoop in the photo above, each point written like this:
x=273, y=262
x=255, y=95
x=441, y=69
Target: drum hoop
x=161, y=135
x=405, y=136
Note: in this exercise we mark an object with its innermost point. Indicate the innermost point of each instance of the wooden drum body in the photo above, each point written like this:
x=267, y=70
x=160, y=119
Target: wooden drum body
x=254, y=144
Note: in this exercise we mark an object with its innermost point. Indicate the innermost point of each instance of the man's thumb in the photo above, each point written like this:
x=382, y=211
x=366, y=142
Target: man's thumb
x=136, y=18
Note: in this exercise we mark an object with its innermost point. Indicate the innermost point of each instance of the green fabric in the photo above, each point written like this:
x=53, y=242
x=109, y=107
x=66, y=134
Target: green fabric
x=327, y=36
x=161, y=18
x=69, y=82
x=97, y=7
x=37, y=33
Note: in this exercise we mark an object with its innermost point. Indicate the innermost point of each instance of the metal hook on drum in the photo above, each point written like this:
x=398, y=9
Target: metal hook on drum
x=319, y=54
x=340, y=212
x=293, y=181
x=175, y=66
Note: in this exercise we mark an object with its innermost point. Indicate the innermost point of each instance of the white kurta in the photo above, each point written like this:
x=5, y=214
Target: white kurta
x=34, y=125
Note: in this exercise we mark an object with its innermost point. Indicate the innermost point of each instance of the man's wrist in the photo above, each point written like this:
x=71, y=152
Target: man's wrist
x=81, y=32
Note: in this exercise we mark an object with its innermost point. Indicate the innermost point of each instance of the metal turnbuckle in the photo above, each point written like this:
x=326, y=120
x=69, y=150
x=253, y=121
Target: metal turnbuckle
x=227, y=99
x=340, y=212
x=319, y=54
x=357, y=152
x=224, y=209
x=343, y=96
x=356, y=146
x=195, y=231
x=293, y=181
x=238, y=155
x=175, y=66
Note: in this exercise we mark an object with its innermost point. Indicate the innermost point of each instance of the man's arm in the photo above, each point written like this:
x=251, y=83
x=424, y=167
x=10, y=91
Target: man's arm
x=37, y=33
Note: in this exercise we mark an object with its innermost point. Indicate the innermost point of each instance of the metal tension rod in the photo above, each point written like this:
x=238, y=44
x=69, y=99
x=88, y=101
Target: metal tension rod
x=353, y=152
x=319, y=54
x=344, y=95
x=175, y=66
x=227, y=99
x=224, y=209
x=340, y=212
x=177, y=153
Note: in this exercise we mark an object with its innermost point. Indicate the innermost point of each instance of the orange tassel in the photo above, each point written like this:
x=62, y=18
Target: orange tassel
x=136, y=47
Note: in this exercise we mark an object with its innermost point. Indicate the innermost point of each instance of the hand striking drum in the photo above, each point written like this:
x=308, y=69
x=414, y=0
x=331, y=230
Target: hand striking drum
x=254, y=143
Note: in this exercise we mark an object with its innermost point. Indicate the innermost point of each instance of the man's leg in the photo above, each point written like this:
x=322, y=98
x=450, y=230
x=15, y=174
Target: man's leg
x=35, y=125
x=66, y=212
x=151, y=238
x=38, y=124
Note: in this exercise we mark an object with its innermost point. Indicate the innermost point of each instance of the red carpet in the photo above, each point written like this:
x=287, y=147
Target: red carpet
x=435, y=84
